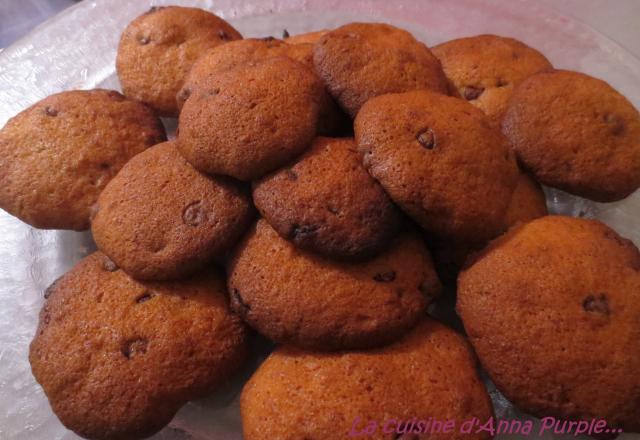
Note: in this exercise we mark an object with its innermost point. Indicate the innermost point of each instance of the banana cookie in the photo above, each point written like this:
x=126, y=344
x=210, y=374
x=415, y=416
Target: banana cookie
x=440, y=160
x=251, y=120
x=117, y=358
x=553, y=310
x=299, y=298
x=195, y=217
x=395, y=392
x=485, y=69
x=326, y=202
x=158, y=48
x=58, y=154
x=576, y=133
x=358, y=61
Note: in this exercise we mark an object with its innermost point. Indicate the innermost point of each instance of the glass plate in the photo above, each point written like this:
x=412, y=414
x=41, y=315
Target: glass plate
x=77, y=48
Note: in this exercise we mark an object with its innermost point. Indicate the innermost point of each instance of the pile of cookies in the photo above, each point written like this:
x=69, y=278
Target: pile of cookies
x=324, y=190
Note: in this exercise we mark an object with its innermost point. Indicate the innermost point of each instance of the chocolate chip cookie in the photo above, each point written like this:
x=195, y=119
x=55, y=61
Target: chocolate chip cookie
x=159, y=218
x=576, y=133
x=358, y=61
x=117, y=358
x=430, y=374
x=251, y=120
x=158, y=48
x=553, y=310
x=58, y=154
x=326, y=202
x=299, y=298
x=440, y=160
x=485, y=69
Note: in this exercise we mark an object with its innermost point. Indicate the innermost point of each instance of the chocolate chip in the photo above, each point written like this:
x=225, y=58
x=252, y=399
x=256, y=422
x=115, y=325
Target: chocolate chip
x=302, y=231
x=144, y=39
x=238, y=304
x=223, y=35
x=154, y=9
x=291, y=175
x=50, y=111
x=193, y=214
x=268, y=38
x=146, y=296
x=285, y=34
x=596, y=304
x=501, y=83
x=333, y=210
x=134, y=347
x=184, y=94
x=470, y=93
x=109, y=265
x=385, y=277
x=616, y=124
x=427, y=138
x=49, y=290
x=115, y=95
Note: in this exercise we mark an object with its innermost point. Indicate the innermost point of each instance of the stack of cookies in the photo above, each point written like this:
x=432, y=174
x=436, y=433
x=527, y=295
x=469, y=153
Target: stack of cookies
x=324, y=190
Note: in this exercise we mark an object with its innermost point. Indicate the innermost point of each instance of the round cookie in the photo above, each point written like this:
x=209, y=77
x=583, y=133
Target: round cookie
x=576, y=133
x=527, y=203
x=117, y=358
x=430, y=374
x=58, y=154
x=331, y=120
x=307, y=37
x=251, y=120
x=553, y=310
x=485, y=69
x=158, y=48
x=327, y=203
x=299, y=298
x=159, y=218
x=440, y=161
x=358, y=61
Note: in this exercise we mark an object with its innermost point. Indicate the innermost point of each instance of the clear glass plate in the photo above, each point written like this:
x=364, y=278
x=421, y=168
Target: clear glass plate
x=77, y=48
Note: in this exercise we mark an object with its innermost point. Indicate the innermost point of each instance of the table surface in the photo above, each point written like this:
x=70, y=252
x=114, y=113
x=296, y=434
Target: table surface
x=618, y=20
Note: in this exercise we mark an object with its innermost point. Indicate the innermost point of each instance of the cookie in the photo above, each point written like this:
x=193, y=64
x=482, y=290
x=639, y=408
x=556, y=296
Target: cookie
x=327, y=203
x=485, y=69
x=331, y=120
x=440, y=160
x=298, y=298
x=553, y=310
x=307, y=37
x=358, y=61
x=158, y=48
x=251, y=120
x=527, y=203
x=161, y=219
x=58, y=154
x=117, y=358
x=395, y=392
x=576, y=133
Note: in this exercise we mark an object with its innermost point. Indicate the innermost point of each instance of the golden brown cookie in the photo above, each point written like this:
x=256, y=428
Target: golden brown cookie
x=485, y=69
x=299, y=298
x=160, y=219
x=527, y=203
x=251, y=120
x=117, y=358
x=331, y=120
x=553, y=311
x=327, y=203
x=58, y=154
x=358, y=61
x=305, y=38
x=576, y=133
x=440, y=160
x=158, y=48
x=430, y=374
